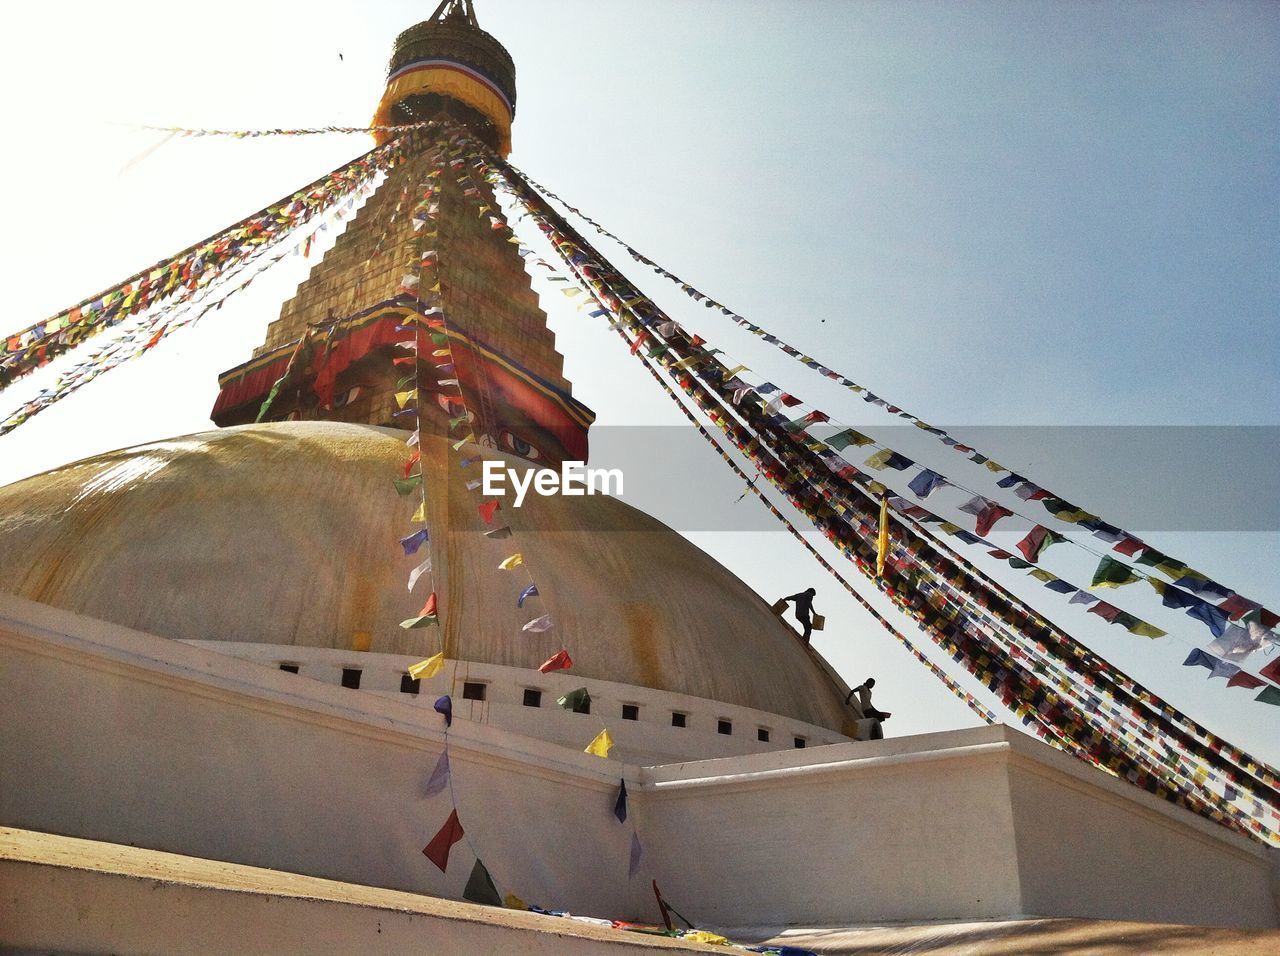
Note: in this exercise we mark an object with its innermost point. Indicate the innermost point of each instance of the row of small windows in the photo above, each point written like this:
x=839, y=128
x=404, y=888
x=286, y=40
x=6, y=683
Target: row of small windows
x=476, y=690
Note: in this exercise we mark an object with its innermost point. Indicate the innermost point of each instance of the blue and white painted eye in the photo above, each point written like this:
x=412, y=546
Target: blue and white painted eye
x=514, y=443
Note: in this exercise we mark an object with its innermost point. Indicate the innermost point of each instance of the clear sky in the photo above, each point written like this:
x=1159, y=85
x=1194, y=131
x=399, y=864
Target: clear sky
x=992, y=214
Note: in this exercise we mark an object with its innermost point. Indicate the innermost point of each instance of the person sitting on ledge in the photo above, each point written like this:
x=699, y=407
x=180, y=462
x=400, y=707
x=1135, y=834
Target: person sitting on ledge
x=863, y=691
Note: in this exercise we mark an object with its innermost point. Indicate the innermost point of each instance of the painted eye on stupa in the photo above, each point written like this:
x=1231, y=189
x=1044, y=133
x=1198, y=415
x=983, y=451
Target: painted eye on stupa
x=515, y=443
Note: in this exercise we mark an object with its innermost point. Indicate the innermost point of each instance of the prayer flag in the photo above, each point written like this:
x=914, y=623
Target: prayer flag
x=425, y=617
x=1272, y=671
x=986, y=511
x=498, y=533
x=411, y=543
x=1143, y=629
x=1237, y=607
x=1269, y=695
x=882, y=538
x=405, y=486
x=1037, y=542
x=1225, y=669
x=439, y=778
x=530, y=591
x=1171, y=596
x=418, y=572
x=487, y=509
x=925, y=483
x=1108, y=612
x=480, y=888
x=888, y=458
x=620, y=805
x=1198, y=584
x=1111, y=573
x=1199, y=658
x=1214, y=618
x=444, y=707
x=842, y=439
x=437, y=851
x=425, y=670
x=514, y=561
x=633, y=866
x=419, y=515
x=560, y=661
x=1237, y=643
x=1244, y=679
x=538, y=624
x=578, y=701
x=600, y=746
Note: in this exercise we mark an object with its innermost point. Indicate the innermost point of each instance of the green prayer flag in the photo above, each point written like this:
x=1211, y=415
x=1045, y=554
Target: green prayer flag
x=1269, y=695
x=1112, y=573
x=849, y=436
x=578, y=701
x=406, y=485
x=424, y=621
x=480, y=888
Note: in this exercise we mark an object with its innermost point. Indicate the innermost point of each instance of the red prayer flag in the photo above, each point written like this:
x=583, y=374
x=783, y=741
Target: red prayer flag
x=1237, y=606
x=487, y=510
x=989, y=517
x=789, y=400
x=429, y=609
x=413, y=460
x=1030, y=545
x=1104, y=610
x=1244, y=679
x=560, y=662
x=437, y=851
x=1272, y=671
x=1129, y=546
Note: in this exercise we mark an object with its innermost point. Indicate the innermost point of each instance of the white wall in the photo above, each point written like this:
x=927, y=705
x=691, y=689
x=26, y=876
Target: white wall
x=650, y=739
x=119, y=736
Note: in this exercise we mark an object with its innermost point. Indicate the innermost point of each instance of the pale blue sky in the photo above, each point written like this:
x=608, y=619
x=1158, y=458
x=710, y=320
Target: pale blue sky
x=1022, y=213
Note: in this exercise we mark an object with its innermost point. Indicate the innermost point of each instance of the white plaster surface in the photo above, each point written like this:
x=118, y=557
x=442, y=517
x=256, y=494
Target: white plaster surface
x=116, y=735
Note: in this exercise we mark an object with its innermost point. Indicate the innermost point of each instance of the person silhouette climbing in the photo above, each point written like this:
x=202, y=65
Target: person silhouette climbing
x=863, y=692
x=804, y=610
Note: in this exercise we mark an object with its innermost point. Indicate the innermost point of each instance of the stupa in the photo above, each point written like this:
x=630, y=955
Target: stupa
x=204, y=654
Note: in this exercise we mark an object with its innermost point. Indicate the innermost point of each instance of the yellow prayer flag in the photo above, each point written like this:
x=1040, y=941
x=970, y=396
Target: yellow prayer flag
x=403, y=398
x=420, y=514
x=428, y=668
x=880, y=460
x=1143, y=629
x=882, y=543
x=462, y=441
x=513, y=902
x=600, y=746
x=735, y=370
x=514, y=561
x=995, y=466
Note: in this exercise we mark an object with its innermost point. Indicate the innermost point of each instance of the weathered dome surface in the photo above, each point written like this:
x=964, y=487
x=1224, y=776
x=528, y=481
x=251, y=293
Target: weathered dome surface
x=288, y=534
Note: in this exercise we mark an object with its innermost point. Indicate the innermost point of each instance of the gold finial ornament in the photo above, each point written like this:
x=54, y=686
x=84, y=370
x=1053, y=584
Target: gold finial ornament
x=448, y=66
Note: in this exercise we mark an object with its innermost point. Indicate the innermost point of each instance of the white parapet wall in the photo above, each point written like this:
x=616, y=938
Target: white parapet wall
x=641, y=720
x=119, y=736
